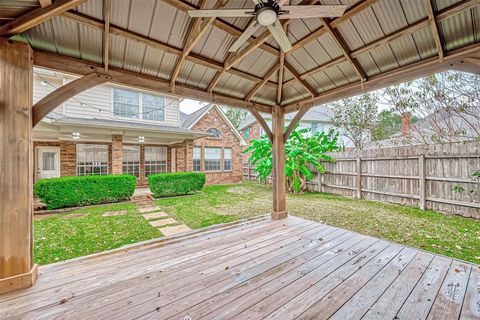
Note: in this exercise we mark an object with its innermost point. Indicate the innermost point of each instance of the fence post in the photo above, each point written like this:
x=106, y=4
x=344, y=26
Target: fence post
x=359, y=178
x=422, y=181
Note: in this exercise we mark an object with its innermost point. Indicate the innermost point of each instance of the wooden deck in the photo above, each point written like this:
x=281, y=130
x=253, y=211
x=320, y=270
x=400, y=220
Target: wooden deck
x=286, y=269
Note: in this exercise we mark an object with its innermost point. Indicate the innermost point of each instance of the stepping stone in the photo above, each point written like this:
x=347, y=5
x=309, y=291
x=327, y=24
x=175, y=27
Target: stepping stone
x=163, y=222
x=168, y=231
x=114, y=213
x=149, y=209
x=154, y=215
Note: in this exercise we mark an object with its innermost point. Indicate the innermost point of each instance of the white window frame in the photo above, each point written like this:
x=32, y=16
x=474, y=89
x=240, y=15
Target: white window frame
x=140, y=107
x=93, y=162
x=145, y=160
x=205, y=159
x=131, y=163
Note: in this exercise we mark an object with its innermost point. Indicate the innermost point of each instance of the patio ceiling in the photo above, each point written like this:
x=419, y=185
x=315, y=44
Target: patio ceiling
x=366, y=48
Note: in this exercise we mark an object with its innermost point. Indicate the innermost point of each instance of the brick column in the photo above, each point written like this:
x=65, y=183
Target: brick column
x=117, y=156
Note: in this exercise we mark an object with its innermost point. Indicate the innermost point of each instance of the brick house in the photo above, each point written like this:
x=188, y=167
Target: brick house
x=111, y=129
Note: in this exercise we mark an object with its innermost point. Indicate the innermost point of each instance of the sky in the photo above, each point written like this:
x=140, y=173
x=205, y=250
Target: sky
x=189, y=106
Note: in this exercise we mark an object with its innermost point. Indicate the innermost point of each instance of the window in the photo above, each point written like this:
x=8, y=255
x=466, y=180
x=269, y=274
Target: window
x=126, y=104
x=214, y=133
x=153, y=107
x=92, y=159
x=131, y=160
x=135, y=105
x=213, y=159
x=314, y=127
x=49, y=161
x=197, y=159
x=247, y=132
x=155, y=160
x=227, y=159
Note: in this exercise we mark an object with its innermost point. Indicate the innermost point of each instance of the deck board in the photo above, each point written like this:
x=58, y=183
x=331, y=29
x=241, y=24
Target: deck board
x=287, y=269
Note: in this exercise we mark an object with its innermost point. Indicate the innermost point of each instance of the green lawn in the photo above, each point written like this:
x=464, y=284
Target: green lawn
x=70, y=235
x=85, y=231
x=453, y=236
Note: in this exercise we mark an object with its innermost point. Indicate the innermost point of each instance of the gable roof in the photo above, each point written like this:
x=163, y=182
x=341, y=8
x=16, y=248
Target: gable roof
x=316, y=114
x=190, y=120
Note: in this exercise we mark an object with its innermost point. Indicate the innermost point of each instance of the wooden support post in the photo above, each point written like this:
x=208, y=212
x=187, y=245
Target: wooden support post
x=278, y=154
x=422, y=181
x=17, y=269
x=359, y=178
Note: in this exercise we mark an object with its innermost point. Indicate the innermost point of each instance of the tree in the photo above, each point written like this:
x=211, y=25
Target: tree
x=302, y=150
x=236, y=115
x=356, y=117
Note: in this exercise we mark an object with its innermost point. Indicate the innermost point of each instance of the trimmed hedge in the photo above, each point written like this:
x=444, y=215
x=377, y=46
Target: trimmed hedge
x=174, y=184
x=85, y=190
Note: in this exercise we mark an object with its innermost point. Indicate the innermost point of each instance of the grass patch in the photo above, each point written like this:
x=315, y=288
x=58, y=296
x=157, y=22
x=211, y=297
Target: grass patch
x=449, y=235
x=84, y=231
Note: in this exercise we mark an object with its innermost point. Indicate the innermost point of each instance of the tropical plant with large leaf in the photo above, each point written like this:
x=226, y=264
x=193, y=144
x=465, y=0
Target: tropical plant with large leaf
x=303, y=151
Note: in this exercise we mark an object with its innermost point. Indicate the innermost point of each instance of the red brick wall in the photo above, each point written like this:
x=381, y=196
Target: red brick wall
x=117, y=154
x=213, y=119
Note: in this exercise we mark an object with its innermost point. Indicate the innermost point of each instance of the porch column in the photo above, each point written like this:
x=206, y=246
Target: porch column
x=117, y=154
x=278, y=154
x=17, y=269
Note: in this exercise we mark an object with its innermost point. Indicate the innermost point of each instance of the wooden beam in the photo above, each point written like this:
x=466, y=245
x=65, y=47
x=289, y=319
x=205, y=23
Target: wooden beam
x=17, y=268
x=296, y=119
x=263, y=123
x=470, y=65
x=259, y=85
x=346, y=51
x=37, y=16
x=62, y=94
x=134, y=79
x=295, y=74
x=280, y=77
x=121, y=32
x=433, y=26
x=45, y=3
x=278, y=158
x=107, y=6
x=407, y=73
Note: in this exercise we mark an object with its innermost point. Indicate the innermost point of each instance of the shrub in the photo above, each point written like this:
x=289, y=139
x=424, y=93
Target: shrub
x=86, y=190
x=174, y=184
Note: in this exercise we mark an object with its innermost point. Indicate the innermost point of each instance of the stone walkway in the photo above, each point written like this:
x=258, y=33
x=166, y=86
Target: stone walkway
x=156, y=217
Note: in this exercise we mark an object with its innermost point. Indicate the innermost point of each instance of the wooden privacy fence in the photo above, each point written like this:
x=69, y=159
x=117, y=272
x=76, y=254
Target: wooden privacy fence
x=429, y=176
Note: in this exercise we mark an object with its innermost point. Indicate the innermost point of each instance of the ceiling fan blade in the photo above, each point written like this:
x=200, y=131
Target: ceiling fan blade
x=280, y=36
x=312, y=11
x=227, y=13
x=245, y=35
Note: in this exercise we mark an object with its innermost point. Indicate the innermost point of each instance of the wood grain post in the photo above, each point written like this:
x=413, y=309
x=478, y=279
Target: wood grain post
x=422, y=181
x=17, y=269
x=278, y=154
x=359, y=178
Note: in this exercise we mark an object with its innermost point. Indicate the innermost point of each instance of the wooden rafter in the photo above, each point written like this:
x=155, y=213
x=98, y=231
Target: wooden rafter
x=433, y=26
x=343, y=46
x=62, y=94
x=262, y=123
x=260, y=84
x=197, y=29
x=280, y=77
x=37, y=16
x=107, y=6
x=407, y=73
x=121, y=32
x=133, y=79
x=296, y=75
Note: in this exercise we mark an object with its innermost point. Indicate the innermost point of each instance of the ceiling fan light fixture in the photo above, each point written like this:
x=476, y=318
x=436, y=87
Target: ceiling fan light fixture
x=266, y=17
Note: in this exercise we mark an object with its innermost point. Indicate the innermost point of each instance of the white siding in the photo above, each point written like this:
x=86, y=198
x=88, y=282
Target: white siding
x=97, y=102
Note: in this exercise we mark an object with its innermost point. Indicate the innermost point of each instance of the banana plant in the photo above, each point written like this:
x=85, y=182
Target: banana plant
x=303, y=151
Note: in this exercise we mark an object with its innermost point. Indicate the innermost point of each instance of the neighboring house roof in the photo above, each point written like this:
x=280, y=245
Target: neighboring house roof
x=315, y=114
x=190, y=120
x=458, y=126
x=55, y=117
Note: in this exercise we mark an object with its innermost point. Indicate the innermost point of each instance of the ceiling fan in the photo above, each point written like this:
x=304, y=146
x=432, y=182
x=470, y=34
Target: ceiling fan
x=267, y=13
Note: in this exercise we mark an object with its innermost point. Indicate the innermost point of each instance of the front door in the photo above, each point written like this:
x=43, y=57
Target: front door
x=48, y=163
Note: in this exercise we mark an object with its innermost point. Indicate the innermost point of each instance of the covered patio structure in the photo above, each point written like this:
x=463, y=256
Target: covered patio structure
x=156, y=45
